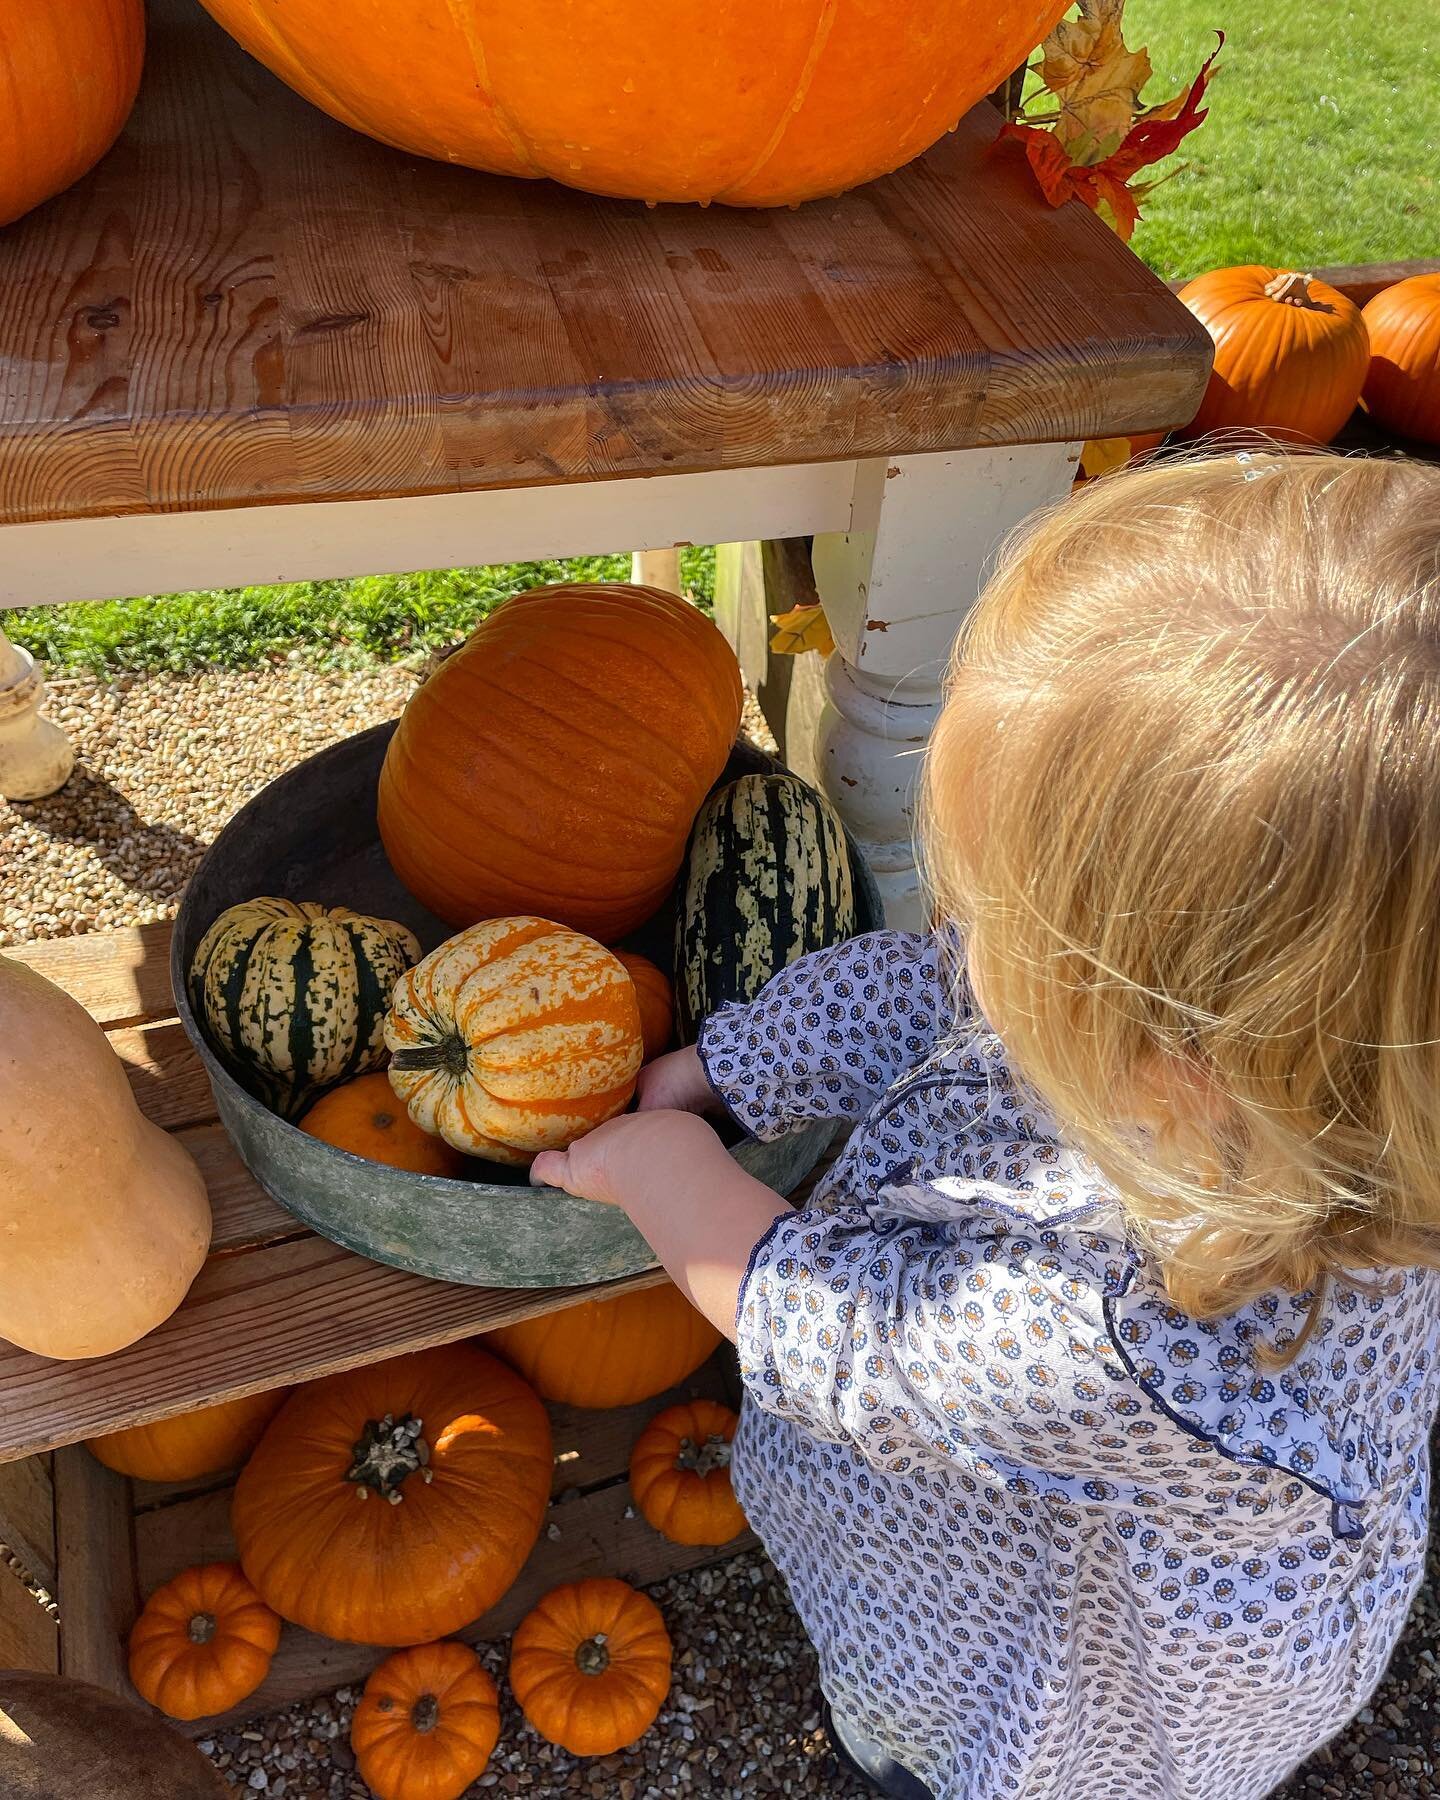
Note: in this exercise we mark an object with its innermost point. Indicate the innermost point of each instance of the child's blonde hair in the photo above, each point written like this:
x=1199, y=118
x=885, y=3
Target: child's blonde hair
x=1184, y=798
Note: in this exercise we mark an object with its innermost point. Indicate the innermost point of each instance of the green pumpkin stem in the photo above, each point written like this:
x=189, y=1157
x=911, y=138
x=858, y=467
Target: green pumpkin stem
x=592, y=1657
x=425, y=1713
x=704, y=1459
x=202, y=1628
x=390, y=1451
x=450, y=1053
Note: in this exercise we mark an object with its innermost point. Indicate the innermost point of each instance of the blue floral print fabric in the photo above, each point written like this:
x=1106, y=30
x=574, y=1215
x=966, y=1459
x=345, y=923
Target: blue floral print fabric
x=1051, y=1537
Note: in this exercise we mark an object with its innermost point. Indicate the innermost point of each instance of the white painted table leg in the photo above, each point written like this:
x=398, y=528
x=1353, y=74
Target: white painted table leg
x=36, y=757
x=657, y=569
x=896, y=588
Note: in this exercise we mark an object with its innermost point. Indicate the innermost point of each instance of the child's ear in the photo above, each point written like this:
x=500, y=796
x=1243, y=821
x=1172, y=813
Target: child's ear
x=1174, y=1089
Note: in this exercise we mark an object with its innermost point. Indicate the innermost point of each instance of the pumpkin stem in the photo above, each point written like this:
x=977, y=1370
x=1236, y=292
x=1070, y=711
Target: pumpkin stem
x=704, y=1459
x=425, y=1713
x=202, y=1628
x=450, y=1053
x=390, y=1451
x=592, y=1657
x=1294, y=290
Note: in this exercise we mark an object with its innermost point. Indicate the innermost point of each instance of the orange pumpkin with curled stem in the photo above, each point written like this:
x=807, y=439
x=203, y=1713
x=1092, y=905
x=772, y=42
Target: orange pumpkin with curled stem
x=656, y=995
x=193, y=1444
x=203, y=1643
x=1402, y=389
x=427, y=1724
x=590, y=1666
x=680, y=1474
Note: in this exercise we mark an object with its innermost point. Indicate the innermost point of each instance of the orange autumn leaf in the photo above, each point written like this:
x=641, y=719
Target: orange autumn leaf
x=802, y=628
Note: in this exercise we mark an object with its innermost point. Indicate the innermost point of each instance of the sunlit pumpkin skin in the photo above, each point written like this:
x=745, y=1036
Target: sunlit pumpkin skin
x=69, y=71
x=427, y=1724
x=554, y=764
x=1402, y=389
x=203, y=1643
x=394, y=1504
x=680, y=1474
x=1291, y=353
x=605, y=1353
x=804, y=99
x=207, y=1442
x=367, y=1118
x=590, y=1666
x=519, y=1035
x=657, y=1002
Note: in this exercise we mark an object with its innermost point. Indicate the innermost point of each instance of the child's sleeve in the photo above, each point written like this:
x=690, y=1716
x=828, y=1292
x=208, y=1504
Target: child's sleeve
x=830, y=1033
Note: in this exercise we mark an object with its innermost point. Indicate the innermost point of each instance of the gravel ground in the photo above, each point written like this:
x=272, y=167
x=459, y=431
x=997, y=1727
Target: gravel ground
x=742, y=1723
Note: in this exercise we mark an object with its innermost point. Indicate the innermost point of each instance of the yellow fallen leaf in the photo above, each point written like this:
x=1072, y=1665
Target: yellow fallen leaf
x=802, y=628
x=1096, y=78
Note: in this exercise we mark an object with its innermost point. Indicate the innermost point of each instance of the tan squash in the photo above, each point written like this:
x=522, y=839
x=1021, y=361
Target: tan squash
x=66, y=1740
x=103, y=1216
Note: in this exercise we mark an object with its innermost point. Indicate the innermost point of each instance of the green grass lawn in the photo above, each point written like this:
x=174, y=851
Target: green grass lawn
x=1322, y=146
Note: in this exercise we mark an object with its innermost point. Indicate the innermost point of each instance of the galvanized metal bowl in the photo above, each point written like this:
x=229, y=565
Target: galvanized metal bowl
x=312, y=835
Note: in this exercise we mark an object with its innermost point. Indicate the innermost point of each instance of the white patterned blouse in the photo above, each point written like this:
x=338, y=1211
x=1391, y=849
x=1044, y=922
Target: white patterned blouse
x=1051, y=1537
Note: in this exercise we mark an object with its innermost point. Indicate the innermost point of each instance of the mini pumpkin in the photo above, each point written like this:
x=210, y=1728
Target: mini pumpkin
x=427, y=1724
x=604, y=1353
x=680, y=1474
x=293, y=994
x=590, y=1666
x=203, y=1643
x=1291, y=353
x=656, y=997
x=366, y=1118
x=517, y=1036
x=394, y=1504
x=1402, y=389
x=193, y=1444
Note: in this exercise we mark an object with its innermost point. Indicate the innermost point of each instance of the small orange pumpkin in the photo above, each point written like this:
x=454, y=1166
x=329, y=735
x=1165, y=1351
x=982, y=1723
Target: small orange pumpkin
x=206, y=1442
x=1291, y=353
x=590, y=1666
x=365, y=1118
x=1402, y=389
x=680, y=1474
x=656, y=996
x=516, y=1036
x=203, y=1643
x=427, y=1724
x=604, y=1353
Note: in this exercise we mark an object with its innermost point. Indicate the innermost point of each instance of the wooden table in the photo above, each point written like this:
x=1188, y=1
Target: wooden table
x=412, y=366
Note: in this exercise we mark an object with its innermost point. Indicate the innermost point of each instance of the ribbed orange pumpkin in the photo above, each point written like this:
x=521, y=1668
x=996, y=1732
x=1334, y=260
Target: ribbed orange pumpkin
x=516, y=1036
x=427, y=1724
x=69, y=70
x=610, y=1352
x=680, y=1474
x=803, y=99
x=657, y=1002
x=365, y=1118
x=1291, y=353
x=196, y=1443
x=555, y=764
x=1402, y=389
x=590, y=1666
x=203, y=1643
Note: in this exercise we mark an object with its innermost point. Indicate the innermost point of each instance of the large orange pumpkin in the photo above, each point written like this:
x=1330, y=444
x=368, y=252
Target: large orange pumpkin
x=193, y=1444
x=69, y=71
x=1291, y=353
x=605, y=1353
x=555, y=764
x=394, y=1504
x=1402, y=389
x=516, y=1036
x=799, y=100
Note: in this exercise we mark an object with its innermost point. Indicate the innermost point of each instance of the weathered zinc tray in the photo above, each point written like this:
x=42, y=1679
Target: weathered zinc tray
x=312, y=835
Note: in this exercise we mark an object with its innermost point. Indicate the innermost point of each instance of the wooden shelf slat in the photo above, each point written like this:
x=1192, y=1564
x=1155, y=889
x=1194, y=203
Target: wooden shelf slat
x=166, y=1074
x=119, y=977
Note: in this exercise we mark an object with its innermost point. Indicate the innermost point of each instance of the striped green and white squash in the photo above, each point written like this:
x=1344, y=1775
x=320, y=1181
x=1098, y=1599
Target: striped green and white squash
x=766, y=879
x=293, y=995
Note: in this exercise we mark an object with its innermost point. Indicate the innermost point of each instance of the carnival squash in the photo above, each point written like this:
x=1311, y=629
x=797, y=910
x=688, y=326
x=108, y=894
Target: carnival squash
x=293, y=994
x=657, y=1002
x=516, y=1036
x=680, y=1474
x=366, y=1118
x=394, y=1504
x=206, y=1442
x=103, y=1216
x=590, y=1666
x=69, y=70
x=804, y=99
x=65, y=1740
x=605, y=1353
x=427, y=1724
x=203, y=1643
x=1291, y=354
x=1402, y=389
x=553, y=764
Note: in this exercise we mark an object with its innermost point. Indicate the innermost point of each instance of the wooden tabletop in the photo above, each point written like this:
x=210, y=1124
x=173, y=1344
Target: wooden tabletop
x=249, y=303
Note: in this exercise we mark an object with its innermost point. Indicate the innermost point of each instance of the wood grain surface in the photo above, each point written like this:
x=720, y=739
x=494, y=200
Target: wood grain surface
x=247, y=303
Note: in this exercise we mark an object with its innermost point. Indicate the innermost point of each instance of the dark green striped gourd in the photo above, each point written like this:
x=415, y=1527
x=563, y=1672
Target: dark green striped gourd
x=766, y=879
x=294, y=995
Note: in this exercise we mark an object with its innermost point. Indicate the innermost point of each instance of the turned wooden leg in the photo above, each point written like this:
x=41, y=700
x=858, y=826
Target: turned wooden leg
x=36, y=757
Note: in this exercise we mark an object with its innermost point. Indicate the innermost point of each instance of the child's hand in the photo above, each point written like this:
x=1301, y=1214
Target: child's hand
x=676, y=1083
x=635, y=1160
